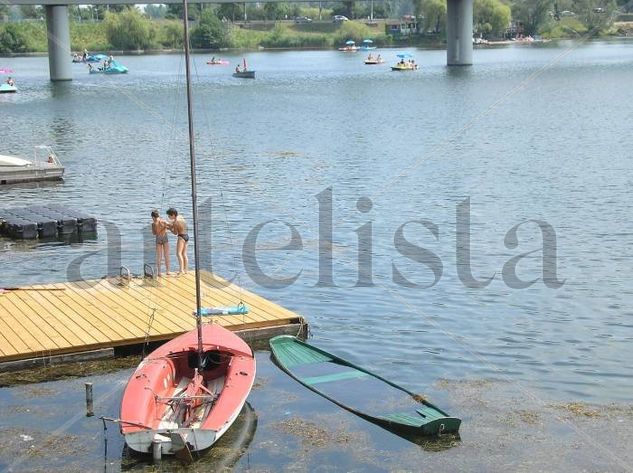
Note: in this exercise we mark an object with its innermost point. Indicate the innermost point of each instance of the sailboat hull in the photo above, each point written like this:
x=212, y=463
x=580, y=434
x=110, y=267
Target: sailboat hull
x=170, y=401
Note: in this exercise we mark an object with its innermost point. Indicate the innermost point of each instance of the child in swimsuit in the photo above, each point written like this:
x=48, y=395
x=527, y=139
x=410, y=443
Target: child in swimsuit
x=159, y=228
x=178, y=226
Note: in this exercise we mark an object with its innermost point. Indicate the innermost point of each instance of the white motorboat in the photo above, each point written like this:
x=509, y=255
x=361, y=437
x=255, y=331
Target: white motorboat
x=45, y=166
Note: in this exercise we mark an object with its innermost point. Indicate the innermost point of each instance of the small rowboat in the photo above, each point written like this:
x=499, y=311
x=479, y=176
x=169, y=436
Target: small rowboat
x=218, y=62
x=244, y=74
x=359, y=391
x=404, y=67
x=371, y=62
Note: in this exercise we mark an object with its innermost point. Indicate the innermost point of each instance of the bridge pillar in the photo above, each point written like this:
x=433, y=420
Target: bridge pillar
x=58, y=31
x=459, y=32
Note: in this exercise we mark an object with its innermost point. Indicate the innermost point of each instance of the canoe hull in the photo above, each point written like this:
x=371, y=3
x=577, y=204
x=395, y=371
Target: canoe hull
x=321, y=371
x=402, y=69
x=244, y=75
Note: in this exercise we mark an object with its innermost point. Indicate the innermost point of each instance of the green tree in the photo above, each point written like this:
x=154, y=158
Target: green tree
x=418, y=8
x=533, y=14
x=349, y=8
x=491, y=17
x=210, y=33
x=32, y=12
x=129, y=30
x=13, y=39
x=434, y=13
x=156, y=11
x=597, y=15
x=174, y=11
x=171, y=34
x=276, y=10
x=230, y=11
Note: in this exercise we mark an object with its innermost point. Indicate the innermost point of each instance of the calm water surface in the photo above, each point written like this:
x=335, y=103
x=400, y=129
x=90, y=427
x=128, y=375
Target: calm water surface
x=528, y=133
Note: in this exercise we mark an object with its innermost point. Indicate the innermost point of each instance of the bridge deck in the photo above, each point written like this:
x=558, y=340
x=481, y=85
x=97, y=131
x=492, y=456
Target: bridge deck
x=55, y=319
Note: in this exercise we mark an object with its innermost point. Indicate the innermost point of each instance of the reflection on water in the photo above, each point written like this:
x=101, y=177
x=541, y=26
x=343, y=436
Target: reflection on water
x=555, y=149
x=223, y=456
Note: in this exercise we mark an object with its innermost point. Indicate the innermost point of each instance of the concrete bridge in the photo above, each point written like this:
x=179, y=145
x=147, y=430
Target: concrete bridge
x=459, y=30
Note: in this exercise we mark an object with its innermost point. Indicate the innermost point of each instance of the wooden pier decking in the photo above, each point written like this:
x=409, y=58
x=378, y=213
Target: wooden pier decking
x=47, y=320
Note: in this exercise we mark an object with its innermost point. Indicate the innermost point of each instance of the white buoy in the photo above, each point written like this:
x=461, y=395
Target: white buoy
x=157, y=449
x=89, y=406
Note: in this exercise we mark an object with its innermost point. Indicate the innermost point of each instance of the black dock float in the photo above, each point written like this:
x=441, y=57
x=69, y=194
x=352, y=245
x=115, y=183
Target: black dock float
x=44, y=221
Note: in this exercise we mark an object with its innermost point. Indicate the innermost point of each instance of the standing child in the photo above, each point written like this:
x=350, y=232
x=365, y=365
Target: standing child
x=178, y=227
x=159, y=228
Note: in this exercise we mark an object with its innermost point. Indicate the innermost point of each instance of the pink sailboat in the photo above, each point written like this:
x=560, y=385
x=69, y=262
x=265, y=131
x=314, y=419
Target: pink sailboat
x=184, y=399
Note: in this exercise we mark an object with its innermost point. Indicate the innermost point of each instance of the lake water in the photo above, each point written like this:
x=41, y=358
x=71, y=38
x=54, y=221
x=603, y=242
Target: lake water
x=527, y=133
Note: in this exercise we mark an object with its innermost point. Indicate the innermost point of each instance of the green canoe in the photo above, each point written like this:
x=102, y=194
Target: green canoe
x=359, y=391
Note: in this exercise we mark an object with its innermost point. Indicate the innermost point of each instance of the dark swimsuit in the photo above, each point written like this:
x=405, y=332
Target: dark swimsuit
x=184, y=236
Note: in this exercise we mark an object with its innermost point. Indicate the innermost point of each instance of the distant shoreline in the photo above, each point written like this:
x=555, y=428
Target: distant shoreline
x=429, y=46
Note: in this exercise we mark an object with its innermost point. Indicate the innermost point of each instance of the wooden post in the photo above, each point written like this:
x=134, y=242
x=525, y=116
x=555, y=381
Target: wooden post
x=89, y=405
x=157, y=450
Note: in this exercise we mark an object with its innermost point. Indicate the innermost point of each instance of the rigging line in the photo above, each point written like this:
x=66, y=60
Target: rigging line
x=466, y=345
x=441, y=146
x=169, y=159
x=149, y=328
x=223, y=206
x=194, y=196
x=150, y=303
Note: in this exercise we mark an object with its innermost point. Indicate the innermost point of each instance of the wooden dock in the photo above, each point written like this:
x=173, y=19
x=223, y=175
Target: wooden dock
x=49, y=320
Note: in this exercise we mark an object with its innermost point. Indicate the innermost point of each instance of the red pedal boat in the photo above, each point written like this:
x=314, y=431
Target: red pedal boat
x=185, y=401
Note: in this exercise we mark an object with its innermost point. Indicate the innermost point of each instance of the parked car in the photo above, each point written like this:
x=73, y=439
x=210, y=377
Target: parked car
x=303, y=19
x=339, y=19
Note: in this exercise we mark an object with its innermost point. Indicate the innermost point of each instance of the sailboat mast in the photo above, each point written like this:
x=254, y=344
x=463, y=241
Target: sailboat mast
x=194, y=193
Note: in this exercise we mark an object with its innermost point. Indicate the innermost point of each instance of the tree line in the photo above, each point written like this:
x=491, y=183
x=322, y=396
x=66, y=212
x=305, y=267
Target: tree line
x=493, y=17
x=157, y=26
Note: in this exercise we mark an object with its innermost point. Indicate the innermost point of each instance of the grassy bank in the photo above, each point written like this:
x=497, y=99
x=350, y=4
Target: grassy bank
x=29, y=37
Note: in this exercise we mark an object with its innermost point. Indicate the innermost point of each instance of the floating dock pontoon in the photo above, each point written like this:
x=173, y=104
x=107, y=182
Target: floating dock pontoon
x=44, y=221
x=44, y=167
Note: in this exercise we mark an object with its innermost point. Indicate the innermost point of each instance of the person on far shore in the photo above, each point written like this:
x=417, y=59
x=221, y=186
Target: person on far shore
x=159, y=228
x=178, y=226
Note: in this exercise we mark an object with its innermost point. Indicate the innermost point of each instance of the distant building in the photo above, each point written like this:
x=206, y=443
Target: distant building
x=515, y=30
x=404, y=27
